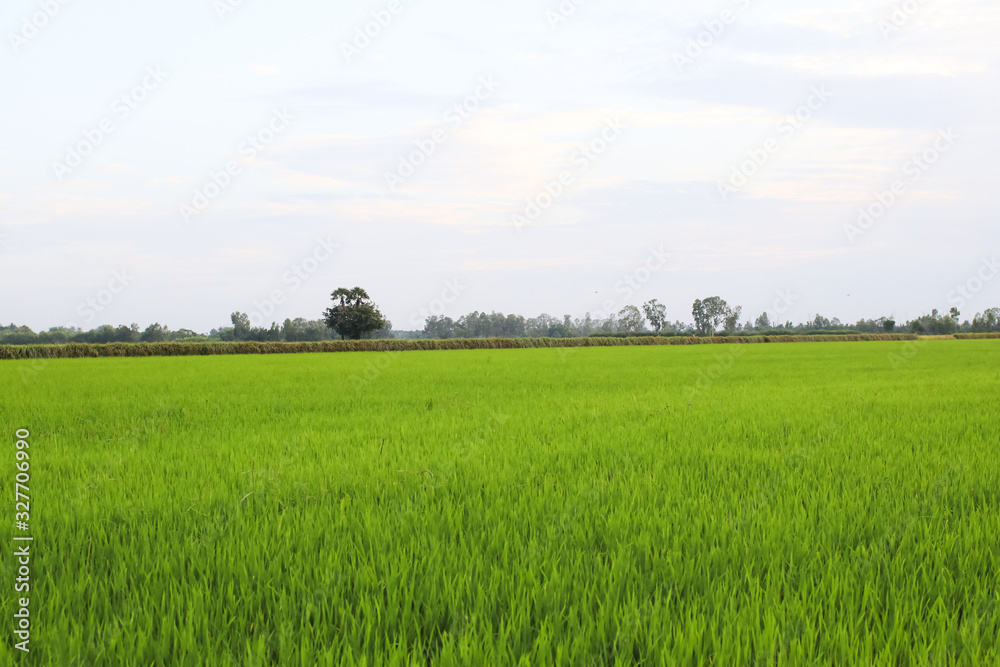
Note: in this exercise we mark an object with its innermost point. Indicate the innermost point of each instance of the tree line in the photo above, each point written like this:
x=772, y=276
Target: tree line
x=354, y=316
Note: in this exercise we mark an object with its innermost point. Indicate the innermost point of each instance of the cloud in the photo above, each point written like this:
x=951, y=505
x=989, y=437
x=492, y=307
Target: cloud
x=266, y=70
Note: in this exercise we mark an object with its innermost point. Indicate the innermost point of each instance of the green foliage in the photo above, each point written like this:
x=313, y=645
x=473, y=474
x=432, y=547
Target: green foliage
x=724, y=505
x=353, y=314
x=702, y=323
x=712, y=313
x=154, y=333
x=241, y=325
x=732, y=319
x=987, y=321
x=630, y=319
x=656, y=313
x=933, y=325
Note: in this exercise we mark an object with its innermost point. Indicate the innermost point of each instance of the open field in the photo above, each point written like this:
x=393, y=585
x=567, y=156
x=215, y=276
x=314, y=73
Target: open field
x=833, y=503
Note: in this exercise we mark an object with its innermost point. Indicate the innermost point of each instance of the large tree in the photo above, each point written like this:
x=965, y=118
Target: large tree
x=241, y=325
x=712, y=313
x=656, y=313
x=733, y=318
x=353, y=314
x=630, y=319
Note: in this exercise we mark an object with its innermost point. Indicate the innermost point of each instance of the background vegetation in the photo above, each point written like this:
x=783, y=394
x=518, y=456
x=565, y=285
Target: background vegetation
x=715, y=318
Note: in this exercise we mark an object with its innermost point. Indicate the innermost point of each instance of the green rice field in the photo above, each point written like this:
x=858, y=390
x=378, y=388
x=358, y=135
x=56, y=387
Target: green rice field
x=798, y=504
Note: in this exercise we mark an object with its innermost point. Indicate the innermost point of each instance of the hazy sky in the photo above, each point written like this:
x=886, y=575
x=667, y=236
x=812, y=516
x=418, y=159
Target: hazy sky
x=175, y=162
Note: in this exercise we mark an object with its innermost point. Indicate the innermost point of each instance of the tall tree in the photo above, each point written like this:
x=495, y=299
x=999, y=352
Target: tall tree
x=630, y=319
x=241, y=325
x=438, y=326
x=701, y=321
x=353, y=314
x=716, y=312
x=154, y=333
x=733, y=317
x=656, y=313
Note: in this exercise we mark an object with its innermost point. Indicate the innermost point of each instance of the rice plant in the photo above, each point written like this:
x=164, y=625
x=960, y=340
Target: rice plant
x=655, y=505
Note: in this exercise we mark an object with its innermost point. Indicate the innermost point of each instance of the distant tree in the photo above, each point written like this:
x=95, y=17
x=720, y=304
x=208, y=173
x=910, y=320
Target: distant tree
x=733, y=318
x=889, y=324
x=185, y=335
x=559, y=331
x=55, y=335
x=711, y=313
x=955, y=314
x=763, y=322
x=820, y=322
x=154, y=333
x=241, y=326
x=440, y=327
x=701, y=321
x=102, y=334
x=22, y=335
x=291, y=331
x=630, y=319
x=656, y=313
x=584, y=326
x=538, y=327
x=514, y=326
x=353, y=314
x=991, y=318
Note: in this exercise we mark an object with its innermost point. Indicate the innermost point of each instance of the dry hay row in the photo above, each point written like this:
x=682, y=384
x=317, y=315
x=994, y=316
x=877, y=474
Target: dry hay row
x=80, y=350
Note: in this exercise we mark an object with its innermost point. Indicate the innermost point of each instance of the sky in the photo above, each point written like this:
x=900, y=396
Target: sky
x=175, y=162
